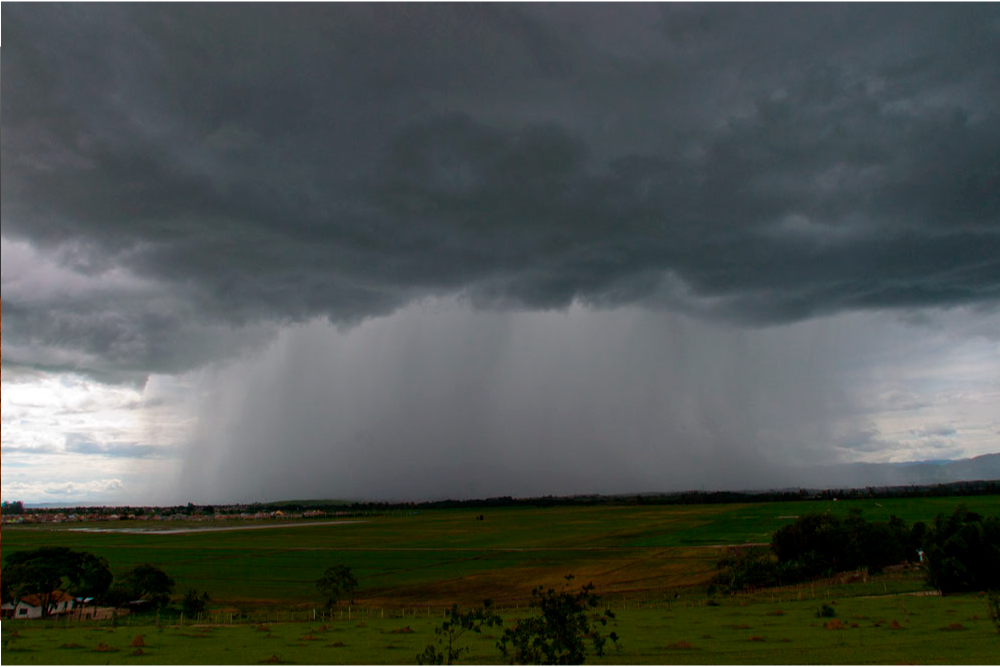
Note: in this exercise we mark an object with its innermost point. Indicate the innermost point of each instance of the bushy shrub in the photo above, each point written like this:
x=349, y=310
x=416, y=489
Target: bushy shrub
x=559, y=634
x=753, y=568
x=826, y=611
x=446, y=650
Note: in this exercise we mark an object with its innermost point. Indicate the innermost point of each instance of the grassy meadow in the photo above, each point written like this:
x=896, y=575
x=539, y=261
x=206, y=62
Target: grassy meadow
x=884, y=629
x=651, y=564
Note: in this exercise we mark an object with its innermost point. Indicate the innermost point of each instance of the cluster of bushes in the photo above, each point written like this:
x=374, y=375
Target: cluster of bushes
x=568, y=627
x=961, y=551
x=817, y=545
x=750, y=569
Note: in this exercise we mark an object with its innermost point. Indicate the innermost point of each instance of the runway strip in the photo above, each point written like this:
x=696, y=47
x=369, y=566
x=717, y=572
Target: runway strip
x=217, y=529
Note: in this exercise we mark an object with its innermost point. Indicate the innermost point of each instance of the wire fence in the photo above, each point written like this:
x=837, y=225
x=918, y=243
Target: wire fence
x=823, y=589
x=264, y=616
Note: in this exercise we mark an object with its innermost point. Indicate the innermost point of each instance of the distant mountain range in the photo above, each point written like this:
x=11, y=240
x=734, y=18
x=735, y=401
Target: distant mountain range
x=854, y=475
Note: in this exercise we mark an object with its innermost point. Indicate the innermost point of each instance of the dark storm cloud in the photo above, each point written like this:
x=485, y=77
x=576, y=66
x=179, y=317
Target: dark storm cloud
x=265, y=163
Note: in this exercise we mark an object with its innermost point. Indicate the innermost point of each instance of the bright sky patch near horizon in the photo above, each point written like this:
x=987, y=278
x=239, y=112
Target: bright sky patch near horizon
x=253, y=252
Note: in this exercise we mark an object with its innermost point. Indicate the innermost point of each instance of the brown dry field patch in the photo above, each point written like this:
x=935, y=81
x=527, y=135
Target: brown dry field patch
x=639, y=572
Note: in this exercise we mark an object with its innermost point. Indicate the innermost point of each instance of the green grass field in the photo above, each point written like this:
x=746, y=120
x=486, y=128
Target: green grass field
x=889, y=629
x=418, y=564
x=437, y=557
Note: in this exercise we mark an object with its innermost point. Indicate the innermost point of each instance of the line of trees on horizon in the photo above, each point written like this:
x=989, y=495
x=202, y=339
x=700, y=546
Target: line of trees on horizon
x=968, y=488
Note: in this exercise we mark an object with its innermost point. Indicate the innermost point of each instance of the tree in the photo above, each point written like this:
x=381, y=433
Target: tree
x=993, y=607
x=336, y=583
x=821, y=544
x=46, y=570
x=147, y=582
x=14, y=508
x=447, y=650
x=559, y=635
x=962, y=552
x=193, y=604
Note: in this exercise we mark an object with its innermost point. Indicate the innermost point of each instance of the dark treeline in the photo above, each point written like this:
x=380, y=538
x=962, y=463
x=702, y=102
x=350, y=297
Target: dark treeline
x=973, y=488
x=976, y=488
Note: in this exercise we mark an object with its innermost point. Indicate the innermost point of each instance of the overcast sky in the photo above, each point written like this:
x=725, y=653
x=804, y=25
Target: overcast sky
x=416, y=251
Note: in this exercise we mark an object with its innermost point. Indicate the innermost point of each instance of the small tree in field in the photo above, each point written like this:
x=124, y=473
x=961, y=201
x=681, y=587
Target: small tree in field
x=147, y=582
x=993, y=607
x=193, y=604
x=558, y=636
x=336, y=583
x=447, y=650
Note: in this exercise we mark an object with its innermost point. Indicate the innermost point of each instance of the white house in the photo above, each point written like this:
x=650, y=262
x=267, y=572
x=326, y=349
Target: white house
x=30, y=606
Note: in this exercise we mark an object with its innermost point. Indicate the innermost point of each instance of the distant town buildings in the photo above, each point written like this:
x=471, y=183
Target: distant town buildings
x=60, y=516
